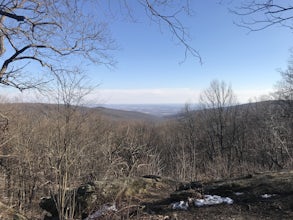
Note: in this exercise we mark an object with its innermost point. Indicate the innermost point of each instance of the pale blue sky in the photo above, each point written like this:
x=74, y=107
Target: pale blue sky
x=148, y=69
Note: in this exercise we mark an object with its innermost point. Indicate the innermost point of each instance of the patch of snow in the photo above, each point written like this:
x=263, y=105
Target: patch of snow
x=182, y=205
x=212, y=200
x=207, y=200
x=105, y=209
x=239, y=193
x=266, y=196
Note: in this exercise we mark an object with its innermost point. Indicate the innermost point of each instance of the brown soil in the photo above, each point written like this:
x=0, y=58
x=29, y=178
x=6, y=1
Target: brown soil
x=249, y=205
x=151, y=198
x=273, y=208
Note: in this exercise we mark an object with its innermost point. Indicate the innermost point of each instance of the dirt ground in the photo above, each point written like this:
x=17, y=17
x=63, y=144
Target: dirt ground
x=271, y=208
x=250, y=204
x=255, y=196
x=277, y=207
x=243, y=208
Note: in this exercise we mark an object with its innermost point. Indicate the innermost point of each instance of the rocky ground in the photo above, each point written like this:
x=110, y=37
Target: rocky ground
x=258, y=196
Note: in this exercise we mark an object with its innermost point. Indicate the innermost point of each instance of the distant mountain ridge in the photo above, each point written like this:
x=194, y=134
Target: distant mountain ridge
x=155, y=112
x=118, y=114
x=159, y=110
x=108, y=113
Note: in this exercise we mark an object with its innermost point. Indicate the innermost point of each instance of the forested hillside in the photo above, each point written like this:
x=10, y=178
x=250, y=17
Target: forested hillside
x=47, y=148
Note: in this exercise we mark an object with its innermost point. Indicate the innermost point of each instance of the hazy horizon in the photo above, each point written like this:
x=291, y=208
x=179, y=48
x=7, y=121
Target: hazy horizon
x=149, y=68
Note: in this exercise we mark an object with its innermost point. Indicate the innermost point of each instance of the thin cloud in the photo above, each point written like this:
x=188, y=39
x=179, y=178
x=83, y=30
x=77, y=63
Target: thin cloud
x=140, y=96
x=146, y=96
x=246, y=95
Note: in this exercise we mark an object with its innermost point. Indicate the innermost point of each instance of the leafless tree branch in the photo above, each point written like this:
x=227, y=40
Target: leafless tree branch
x=261, y=14
x=175, y=26
x=47, y=31
x=13, y=16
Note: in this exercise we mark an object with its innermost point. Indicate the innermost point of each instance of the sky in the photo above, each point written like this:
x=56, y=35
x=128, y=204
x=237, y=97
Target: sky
x=149, y=68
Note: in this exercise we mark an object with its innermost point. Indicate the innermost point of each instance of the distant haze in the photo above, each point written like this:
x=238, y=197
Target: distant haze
x=152, y=109
x=152, y=101
x=166, y=95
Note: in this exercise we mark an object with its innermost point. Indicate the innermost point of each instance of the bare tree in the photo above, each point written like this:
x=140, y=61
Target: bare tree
x=282, y=121
x=284, y=90
x=68, y=152
x=285, y=86
x=218, y=95
x=219, y=113
x=261, y=14
x=47, y=32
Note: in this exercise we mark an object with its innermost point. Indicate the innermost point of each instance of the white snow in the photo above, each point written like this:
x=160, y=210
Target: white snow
x=238, y=193
x=207, y=200
x=212, y=200
x=105, y=209
x=266, y=196
x=180, y=205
